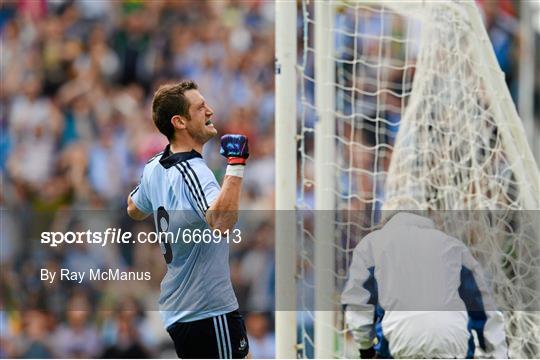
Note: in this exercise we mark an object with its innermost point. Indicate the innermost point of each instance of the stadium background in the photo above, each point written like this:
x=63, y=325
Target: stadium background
x=77, y=82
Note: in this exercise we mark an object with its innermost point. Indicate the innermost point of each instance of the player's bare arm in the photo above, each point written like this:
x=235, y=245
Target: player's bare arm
x=223, y=213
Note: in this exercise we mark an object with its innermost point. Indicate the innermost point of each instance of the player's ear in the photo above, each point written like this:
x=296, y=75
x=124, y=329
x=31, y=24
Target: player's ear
x=178, y=122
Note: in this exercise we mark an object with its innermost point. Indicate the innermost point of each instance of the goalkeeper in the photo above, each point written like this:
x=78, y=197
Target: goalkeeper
x=197, y=301
x=415, y=292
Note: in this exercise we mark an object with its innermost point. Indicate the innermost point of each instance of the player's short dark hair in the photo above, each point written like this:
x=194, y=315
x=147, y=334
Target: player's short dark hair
x=169, y=100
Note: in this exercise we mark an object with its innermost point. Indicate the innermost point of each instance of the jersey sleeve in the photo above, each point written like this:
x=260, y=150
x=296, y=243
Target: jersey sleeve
x=202, y=188
x=140, y=197
x=484, y=318
x=360, y=295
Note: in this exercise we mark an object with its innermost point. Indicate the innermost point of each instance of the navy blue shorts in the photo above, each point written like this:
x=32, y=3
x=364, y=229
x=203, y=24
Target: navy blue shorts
x=218, y=337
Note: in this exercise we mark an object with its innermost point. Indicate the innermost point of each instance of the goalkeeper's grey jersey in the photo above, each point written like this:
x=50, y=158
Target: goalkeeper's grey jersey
x=420, y=294
x=178, y=189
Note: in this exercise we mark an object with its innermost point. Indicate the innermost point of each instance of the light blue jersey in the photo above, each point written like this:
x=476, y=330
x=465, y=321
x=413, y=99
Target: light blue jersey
x=178, y=189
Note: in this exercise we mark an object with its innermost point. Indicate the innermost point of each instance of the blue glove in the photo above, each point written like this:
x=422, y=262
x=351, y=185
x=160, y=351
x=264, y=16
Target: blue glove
x=235, y=149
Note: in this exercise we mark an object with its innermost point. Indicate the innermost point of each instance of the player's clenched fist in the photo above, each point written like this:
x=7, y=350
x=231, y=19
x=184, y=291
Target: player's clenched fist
x=235, y=149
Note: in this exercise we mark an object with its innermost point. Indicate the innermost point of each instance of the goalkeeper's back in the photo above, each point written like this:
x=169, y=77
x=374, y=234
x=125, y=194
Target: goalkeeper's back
x=426, y=291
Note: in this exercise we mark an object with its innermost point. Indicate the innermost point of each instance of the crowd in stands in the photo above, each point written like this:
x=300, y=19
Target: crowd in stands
x=76, y=131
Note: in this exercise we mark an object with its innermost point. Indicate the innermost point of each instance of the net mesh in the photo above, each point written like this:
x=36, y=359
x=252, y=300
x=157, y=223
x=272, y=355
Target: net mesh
x=416, y=116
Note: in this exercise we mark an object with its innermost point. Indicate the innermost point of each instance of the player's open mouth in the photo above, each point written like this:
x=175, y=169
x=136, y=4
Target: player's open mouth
x=209, y=122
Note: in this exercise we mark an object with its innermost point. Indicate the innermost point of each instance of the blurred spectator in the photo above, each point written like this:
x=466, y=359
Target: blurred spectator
x=256, y=269
x=126, y=334
x=107, y=165
x=37, y=338
x=34, y=124
x=503, y=30
x=261, y=340
x=78, y=338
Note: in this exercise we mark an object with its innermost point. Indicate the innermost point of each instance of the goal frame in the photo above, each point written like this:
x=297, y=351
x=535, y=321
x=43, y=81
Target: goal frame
x=285, y=179
x=286, y=154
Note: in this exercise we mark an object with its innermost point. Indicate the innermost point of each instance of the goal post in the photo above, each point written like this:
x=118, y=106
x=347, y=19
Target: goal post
x=398, y=98
x=285, y=182
x=324, y=180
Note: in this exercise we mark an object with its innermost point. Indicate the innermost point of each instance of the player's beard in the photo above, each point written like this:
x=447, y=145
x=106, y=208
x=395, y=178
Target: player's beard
x=204, y=135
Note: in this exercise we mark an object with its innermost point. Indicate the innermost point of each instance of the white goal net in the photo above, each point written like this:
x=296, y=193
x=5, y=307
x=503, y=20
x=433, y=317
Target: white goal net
x=419, y=108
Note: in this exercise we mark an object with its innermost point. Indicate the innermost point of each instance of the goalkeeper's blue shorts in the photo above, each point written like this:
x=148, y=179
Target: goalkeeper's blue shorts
x=218, y=337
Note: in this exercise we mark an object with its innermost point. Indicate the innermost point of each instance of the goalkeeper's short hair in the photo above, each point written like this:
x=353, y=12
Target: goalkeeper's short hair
x=400, y=203
x=169, y=100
